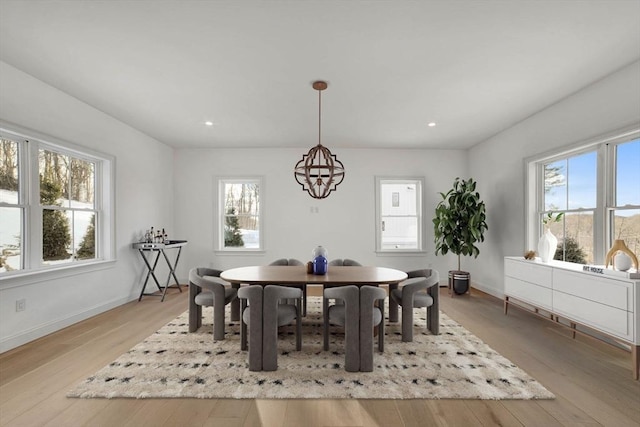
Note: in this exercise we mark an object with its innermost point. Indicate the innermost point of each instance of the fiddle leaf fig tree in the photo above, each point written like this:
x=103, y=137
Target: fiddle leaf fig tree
x=460, y=220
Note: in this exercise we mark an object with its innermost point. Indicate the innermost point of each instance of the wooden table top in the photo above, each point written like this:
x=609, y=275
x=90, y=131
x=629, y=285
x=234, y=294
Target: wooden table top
x=336, y=275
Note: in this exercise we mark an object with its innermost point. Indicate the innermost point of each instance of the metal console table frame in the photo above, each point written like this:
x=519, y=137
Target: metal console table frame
x=159, y=248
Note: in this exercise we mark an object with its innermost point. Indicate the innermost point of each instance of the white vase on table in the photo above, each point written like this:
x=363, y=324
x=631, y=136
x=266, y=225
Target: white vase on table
x=547, y=246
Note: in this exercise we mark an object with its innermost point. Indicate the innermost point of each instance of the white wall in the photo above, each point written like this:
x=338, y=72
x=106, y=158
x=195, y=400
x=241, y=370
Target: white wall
x=345, y=223
x=143, y=197
x=497, y=164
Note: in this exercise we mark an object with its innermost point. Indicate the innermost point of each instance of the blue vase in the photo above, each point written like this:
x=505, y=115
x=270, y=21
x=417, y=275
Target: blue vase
x=320, y=265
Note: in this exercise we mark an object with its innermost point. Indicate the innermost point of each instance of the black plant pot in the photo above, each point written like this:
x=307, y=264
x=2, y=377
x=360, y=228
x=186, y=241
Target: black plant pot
x=459, y=281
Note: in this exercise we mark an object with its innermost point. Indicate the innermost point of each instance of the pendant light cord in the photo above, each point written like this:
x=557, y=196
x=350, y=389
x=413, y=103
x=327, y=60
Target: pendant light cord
x=319, y=117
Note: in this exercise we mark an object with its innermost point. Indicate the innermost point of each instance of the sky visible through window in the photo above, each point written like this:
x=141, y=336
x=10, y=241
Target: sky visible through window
x=577, y=186
x=628, y=179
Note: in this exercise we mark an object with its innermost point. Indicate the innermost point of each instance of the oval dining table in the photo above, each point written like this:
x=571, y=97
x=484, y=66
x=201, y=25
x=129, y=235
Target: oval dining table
x=297, y=275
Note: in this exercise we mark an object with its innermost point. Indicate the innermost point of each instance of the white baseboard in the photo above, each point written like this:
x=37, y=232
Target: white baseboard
x=479, y=286
x=488, y=290
x=13, y=341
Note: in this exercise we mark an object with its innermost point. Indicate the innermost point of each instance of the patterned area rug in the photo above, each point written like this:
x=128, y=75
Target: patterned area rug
x=175, y=363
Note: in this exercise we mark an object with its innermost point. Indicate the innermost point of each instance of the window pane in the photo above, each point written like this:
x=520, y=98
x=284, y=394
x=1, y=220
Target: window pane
x=628, y=173
x=399, y=198
x=9, y=171
x=399, y=209
x=84, y=235
x=399, y=232
x=10, y=239
x=82, y=184
x=242, y=231
x=56, y=235
x=582, y=181
x=243, y=197
x=54, y=178
x=241, y=215
x=555, y=185
x=626, y=226
x=575, y=238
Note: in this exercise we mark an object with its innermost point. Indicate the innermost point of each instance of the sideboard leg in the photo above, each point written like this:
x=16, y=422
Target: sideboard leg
x=635, y=359
x=506, y=304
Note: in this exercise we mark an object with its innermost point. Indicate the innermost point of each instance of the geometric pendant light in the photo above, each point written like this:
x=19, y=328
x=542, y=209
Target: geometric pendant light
x=319, y=172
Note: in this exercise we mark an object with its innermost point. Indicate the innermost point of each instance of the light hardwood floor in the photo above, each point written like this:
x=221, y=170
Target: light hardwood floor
x=592, y=380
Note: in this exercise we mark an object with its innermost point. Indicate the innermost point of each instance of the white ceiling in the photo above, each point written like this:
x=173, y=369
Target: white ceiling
x=167, y=66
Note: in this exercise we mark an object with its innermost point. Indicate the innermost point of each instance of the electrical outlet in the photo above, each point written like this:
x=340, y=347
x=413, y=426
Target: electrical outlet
x=21, y=304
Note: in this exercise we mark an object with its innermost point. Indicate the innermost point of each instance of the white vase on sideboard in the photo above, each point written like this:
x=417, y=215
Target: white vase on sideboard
x=547, y=246
x=622, y=261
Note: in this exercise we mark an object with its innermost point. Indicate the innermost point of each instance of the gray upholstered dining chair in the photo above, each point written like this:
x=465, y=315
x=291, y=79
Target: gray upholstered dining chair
x=210, y=290
x=346, y=313
x=342, y=263
x=419, y=290
x=359, y=311
x=303, y=287
x=371, y=315
x=263, y=312
x=251, y=296
x=345, y=262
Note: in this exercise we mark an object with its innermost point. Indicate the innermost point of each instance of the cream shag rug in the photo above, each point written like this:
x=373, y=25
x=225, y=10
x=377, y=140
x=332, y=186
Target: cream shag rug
x=175, y=363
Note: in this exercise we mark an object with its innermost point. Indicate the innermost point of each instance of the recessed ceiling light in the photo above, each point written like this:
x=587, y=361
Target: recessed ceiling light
x=431, y=124
x=208, y=123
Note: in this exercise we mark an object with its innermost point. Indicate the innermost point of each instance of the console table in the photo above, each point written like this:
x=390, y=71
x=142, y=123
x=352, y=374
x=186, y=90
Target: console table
x=159, y=248
x=604, y=301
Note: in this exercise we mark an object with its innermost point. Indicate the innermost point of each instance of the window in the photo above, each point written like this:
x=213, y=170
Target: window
x=399, y=214
x=570, y=187
x=12, y=206
x=55, y=204
x=624, y=209
x=597, y=187
x=239, y=214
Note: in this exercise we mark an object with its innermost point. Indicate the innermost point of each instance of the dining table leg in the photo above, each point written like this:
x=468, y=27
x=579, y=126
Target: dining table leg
x=393, y=306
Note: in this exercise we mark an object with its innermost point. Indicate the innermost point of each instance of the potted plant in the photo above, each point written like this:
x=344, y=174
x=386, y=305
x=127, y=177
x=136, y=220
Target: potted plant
x=459, y=224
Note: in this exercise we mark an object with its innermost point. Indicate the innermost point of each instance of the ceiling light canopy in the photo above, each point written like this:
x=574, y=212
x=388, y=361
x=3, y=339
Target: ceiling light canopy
x=319, y=172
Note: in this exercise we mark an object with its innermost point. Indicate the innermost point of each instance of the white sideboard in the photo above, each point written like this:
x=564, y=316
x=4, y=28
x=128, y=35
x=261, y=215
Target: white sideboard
x=604, y=301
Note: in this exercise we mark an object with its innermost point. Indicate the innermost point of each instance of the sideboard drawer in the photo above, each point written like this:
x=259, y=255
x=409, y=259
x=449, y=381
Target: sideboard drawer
x=610, y=292
x=539, y=296
x=529, y=271
x=590, y=313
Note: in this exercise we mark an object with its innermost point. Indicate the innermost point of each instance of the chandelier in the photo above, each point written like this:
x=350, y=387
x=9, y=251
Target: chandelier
x=319, y=172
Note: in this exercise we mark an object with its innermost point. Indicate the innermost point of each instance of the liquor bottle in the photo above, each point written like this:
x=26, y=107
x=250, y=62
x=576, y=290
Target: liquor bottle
x=152, y=236
x=165, y=237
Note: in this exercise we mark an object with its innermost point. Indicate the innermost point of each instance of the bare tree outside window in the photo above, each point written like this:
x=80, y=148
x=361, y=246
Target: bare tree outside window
x=67, y=195
x=241, y=204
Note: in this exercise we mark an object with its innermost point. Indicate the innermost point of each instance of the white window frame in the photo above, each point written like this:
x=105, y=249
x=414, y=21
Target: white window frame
x=30, y=142
x=421, y=232
x=219, y=221
x=606, y=188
